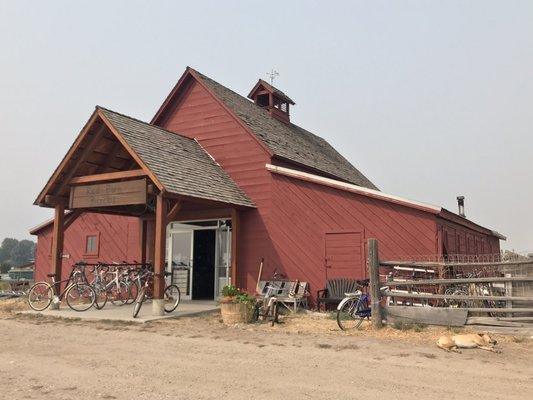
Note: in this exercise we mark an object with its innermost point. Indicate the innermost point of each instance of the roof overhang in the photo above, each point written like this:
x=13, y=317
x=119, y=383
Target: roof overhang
x=83, y=144
x=348, y=187
x=168, y=163
x=70, y=216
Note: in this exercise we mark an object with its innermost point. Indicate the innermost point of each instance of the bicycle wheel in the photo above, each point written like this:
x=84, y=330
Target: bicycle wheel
x=80, y=297
x=40, y=296
x=139, y=302
x=454, y=303
x=101, y=296
x=133, y=291
x=119, y=295
x=351, y=315
x=171, y=298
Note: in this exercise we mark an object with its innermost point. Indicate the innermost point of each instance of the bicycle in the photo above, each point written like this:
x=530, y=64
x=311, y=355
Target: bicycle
x=171, y=295
x=135, y=279
x=103, y=286
x=79, y=295
x=354, y=308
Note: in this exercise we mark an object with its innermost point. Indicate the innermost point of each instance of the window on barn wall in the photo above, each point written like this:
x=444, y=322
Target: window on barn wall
x=91, y=244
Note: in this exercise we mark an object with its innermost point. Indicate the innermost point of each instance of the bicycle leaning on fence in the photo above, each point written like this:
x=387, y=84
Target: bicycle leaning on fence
x=79, y=295
x=354, y=308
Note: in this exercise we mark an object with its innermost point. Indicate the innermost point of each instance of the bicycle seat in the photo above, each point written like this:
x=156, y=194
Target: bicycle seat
x=50, y=275
x=353, y=294
x=168, y=273
x=363, y=282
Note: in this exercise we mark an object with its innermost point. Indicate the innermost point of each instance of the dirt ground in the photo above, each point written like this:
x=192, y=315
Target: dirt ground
x=306, y=357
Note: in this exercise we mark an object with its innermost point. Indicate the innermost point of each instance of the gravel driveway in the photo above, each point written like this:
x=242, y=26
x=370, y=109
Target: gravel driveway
x=199, y=358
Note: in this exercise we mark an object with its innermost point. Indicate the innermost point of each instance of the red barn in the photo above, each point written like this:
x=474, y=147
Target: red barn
x=216, y=181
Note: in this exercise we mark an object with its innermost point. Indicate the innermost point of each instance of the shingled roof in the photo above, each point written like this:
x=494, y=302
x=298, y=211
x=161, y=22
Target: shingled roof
x=179, y=163
x=287, y=140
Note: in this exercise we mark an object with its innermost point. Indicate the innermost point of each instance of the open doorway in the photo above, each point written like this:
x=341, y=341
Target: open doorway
x=199, y=257
x=203, y=280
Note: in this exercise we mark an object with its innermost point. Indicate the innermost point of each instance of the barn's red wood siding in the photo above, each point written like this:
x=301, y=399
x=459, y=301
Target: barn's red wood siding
x=304, y=212
x=199, y=115
x=460, y=240
x=118, y=240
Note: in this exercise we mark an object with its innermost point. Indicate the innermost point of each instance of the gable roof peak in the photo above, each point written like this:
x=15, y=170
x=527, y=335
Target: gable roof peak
x=262, y=84
x=282, y=139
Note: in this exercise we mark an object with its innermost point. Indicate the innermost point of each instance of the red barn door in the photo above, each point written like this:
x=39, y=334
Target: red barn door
x=344, y=255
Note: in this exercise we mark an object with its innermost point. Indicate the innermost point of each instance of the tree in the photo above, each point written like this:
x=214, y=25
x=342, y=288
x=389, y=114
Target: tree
x=8, y=244
x=22, y=253
x=4, y=267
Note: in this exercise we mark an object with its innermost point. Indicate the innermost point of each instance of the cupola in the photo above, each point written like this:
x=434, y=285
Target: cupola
x=274, y=100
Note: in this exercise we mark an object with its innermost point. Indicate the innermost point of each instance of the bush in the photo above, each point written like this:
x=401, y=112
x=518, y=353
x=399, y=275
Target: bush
x=231, y=294
x=230, y=291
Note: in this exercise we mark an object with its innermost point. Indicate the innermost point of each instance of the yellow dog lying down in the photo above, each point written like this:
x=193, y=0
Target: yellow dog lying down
x=468, y=341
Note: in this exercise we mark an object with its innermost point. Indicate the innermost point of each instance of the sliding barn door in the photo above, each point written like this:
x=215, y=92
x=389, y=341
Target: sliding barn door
x=344, y=255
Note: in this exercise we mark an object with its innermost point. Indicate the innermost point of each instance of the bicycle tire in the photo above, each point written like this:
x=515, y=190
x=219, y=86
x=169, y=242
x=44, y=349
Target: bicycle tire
x=120, y=298
x=45, y=289
x=80, y=297
x=101, y=297
x=139, y=302
x=133, y=291
x=172, y=297
x=351, y=311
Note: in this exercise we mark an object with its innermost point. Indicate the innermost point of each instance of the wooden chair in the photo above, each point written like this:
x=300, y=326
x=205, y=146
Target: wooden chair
x=335, y=291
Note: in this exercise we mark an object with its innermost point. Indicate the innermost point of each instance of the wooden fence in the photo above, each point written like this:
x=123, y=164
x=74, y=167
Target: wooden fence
x=451, y=293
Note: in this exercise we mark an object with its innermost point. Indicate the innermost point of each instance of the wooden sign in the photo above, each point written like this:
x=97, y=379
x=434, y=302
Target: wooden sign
x=108, y=194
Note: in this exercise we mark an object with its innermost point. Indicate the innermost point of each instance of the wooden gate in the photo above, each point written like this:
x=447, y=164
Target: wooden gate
x=344, y=255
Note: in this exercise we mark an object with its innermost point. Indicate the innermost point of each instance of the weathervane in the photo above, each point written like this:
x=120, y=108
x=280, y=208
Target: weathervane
x=272, y=75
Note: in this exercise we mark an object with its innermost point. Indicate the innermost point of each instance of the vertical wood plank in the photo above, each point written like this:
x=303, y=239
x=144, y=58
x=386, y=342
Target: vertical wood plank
x=373, y=274
x=234, y=247
x=57, y=241
x=160, y=243
x=143, y=228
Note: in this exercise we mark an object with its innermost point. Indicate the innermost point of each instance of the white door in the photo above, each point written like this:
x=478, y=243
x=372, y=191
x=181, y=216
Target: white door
x=222, y=259
x=180, y=260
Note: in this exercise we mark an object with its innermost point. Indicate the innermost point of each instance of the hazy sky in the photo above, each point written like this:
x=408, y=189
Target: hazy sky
x=430, y=99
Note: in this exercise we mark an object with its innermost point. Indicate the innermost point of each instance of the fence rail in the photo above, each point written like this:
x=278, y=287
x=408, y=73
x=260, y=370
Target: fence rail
x=483, y=290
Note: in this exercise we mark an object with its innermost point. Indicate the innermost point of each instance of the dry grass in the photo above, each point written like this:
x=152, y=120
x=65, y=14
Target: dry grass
x=310, y=324
x=10, y=306
x=321, y=325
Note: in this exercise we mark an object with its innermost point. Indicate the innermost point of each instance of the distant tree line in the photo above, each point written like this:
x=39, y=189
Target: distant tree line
x=14, y=253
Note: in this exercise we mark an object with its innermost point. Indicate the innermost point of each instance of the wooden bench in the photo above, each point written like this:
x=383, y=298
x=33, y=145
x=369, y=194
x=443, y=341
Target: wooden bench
x=291, y=294
x=335, y=291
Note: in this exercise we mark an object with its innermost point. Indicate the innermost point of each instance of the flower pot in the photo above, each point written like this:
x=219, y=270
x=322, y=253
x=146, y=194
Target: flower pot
x=235, y=313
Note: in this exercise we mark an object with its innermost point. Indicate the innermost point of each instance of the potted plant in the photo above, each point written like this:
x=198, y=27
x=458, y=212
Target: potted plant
x=236, y=306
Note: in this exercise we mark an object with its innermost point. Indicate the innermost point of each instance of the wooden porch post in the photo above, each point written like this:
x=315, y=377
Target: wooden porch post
x=143, y=236
x=159, y=253
x=57, y=240
x=234, y=239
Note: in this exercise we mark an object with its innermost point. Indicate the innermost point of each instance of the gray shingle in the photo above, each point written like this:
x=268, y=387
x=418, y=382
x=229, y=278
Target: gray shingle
x=288, y=141
x=180, y=163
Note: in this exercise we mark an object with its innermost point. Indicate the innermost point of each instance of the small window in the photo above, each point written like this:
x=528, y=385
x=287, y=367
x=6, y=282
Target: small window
x=263, y=100
x=91, y=244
